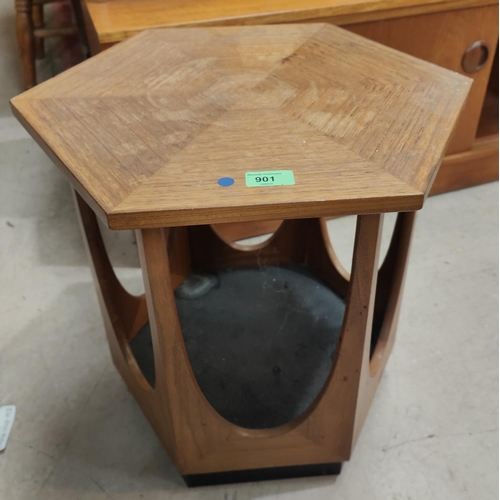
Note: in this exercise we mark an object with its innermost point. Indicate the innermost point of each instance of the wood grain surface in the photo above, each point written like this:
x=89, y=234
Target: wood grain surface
x=115, y=20
x=145, y=130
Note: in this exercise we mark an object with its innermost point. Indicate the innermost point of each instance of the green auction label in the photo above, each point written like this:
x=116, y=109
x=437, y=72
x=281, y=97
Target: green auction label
x=270, y=178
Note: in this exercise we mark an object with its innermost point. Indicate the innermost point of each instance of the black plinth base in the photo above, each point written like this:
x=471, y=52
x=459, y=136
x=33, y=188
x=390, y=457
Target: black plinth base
x=249, y=475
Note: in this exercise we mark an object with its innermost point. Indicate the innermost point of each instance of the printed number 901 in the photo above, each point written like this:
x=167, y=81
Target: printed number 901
x=264, y=179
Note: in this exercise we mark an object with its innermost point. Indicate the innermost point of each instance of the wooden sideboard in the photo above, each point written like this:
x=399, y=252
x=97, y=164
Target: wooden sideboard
x=461, y=35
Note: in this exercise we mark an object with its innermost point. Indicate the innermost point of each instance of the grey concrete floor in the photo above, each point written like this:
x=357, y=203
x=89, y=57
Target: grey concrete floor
x=432, y=432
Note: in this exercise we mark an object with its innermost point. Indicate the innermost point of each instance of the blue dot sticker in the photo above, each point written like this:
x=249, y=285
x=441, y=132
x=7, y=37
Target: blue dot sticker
x=225, y=181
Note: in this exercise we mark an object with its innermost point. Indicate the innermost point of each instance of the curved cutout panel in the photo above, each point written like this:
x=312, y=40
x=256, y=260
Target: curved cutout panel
x=389, y=287
x=240, y=232
x=385, y=269
x=250, y=244
x=247, y=236
x=388, y=226
x=342, y=231
x=123, y=257
x=261, y=345
x=124, y=314
x=121, y=248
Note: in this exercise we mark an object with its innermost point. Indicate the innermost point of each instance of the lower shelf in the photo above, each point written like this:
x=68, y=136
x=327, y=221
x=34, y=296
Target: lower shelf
x=261, y=343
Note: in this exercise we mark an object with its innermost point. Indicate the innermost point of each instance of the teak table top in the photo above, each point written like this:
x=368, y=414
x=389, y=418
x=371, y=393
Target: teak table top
x=145, y=130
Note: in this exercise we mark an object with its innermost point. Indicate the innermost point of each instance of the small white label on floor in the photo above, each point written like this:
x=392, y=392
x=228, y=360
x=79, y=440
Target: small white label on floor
x=7, y=415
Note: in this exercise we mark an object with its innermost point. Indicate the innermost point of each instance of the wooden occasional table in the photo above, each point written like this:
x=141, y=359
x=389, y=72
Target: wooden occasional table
x=249, y=362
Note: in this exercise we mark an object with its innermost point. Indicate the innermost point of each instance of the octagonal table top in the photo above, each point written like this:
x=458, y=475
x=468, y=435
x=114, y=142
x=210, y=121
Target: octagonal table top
x=173, y=126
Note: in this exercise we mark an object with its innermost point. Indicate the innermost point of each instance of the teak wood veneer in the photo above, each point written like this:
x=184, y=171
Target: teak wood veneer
x=145, y=130
x=146, y=141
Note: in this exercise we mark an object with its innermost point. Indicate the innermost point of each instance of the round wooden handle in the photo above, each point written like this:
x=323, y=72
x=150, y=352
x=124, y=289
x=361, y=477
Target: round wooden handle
x=475, y=57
